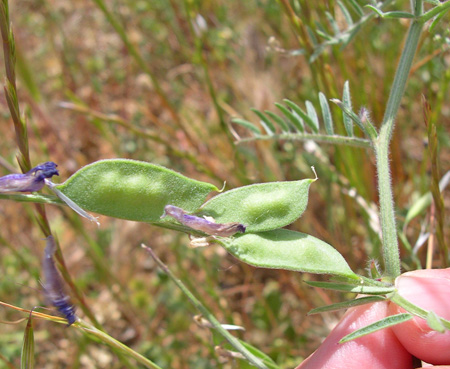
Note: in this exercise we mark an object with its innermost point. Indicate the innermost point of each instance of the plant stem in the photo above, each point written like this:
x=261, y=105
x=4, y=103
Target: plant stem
x=330, y=139
x=116, y=345
x=233, y=341
x=435, y=11
x=390, y=243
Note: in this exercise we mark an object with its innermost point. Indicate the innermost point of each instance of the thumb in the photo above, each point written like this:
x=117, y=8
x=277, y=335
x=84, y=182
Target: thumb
x=430, y=290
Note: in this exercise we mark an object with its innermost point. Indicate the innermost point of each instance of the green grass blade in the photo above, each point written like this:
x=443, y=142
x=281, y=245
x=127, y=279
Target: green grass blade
x=117, y=346
x=27, y=76
x=27, y=355
x=233, y=341
x=258, y=353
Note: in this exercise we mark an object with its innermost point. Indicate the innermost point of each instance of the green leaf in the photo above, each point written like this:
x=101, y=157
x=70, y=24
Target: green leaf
x=347, y=111
x=418, y=207
x=278, y=120
x=284, y=249
x=345, y=13
x=436, y=20
x=27, y=355
x=347, y=101
x=434, y=322
x=321, y=31
x=310, y=122
x=346, y=304
x=396, y=298
x=312, y=36
x=260, y=207
x=266, y=123
x=247, y=124
x=133, y=190
x=297, y=123
x=376, y=10
x=425, y=200
x=357, y=8
x=368, y=290
x=381, y=324
x=333, y=23
x=397, y=15
x=312, y=115
x=326, y=113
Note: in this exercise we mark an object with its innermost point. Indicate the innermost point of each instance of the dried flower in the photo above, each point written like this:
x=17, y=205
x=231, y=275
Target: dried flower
x=54, y=285
x=202, y=224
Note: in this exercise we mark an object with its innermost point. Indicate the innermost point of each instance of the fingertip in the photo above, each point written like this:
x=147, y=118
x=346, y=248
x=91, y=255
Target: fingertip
x=428, y=289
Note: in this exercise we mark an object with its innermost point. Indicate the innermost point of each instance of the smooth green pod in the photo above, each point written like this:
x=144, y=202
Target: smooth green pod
x=260, y=207
x=133, y=190
x=290, y=250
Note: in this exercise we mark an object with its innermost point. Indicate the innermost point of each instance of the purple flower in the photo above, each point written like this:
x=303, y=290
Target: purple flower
x=31, y=181
x=202, y=224
x=54, y=284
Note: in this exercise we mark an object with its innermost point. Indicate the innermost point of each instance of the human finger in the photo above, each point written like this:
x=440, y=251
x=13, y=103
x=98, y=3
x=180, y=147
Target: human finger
x=380, y=350
x=430, y=290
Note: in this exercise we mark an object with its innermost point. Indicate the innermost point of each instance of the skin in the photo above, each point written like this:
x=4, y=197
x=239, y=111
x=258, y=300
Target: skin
x=429, y=289
x=393, y=347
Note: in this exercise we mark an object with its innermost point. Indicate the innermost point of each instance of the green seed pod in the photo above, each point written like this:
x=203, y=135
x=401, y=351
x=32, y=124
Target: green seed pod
x=260, y=207
x=133, y=190
x=284, y=249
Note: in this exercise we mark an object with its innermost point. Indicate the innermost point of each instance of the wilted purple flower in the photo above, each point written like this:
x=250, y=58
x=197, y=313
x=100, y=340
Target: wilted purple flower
x=54, y=285
x=31, y=181
x=202, y=224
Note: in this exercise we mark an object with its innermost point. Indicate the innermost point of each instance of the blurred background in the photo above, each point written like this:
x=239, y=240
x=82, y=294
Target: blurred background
x=160, y=81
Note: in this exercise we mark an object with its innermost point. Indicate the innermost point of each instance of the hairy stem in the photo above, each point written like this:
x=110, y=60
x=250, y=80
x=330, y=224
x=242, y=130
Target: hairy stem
x=390, y=243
